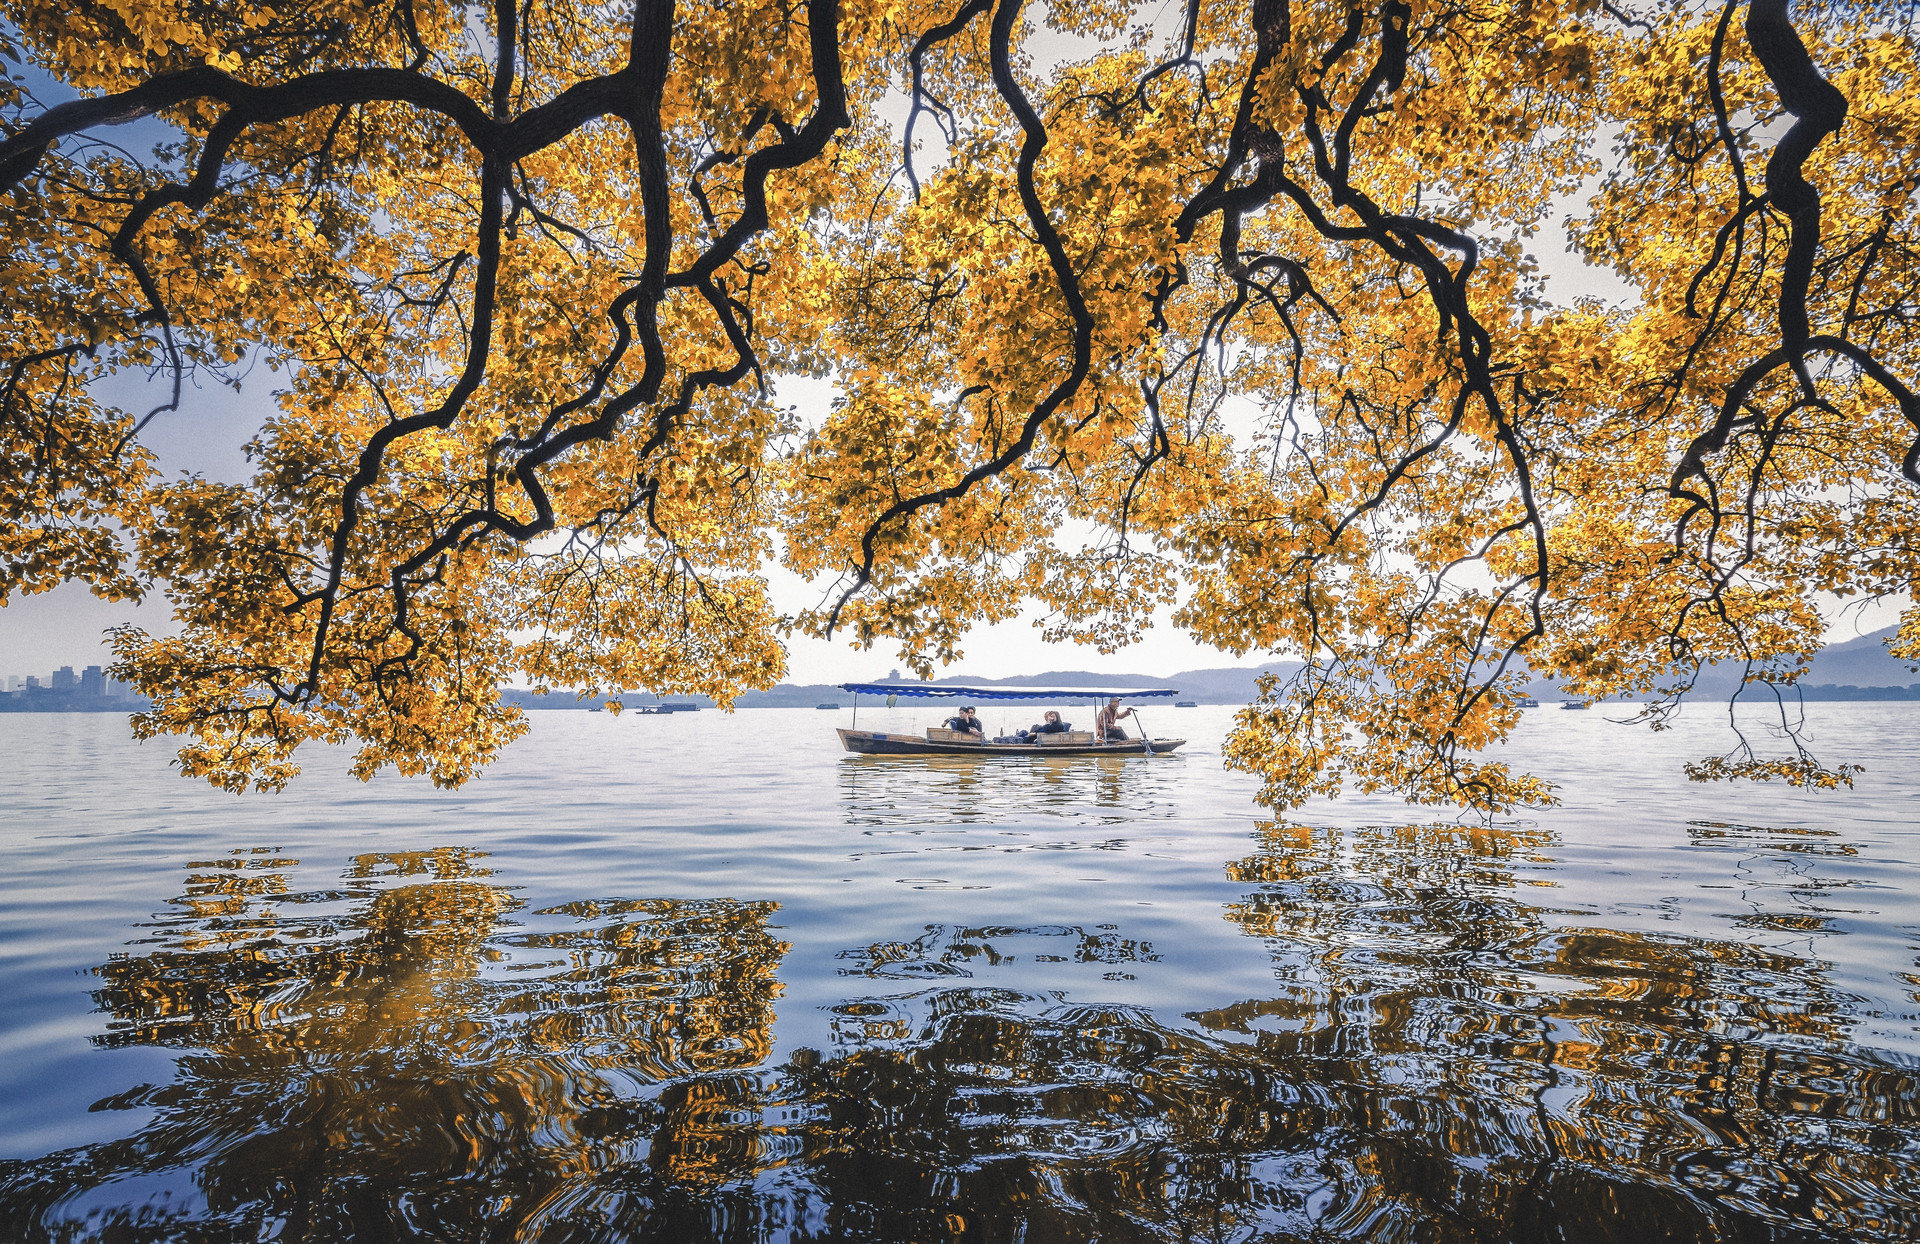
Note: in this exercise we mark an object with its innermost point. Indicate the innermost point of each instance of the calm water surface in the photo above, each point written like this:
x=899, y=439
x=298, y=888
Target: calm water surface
x=703, y=977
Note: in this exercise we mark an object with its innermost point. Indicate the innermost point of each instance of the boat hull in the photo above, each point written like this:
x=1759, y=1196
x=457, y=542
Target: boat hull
x=875, y=743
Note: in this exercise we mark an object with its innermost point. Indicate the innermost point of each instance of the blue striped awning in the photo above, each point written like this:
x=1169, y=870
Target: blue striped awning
x=1067, y=695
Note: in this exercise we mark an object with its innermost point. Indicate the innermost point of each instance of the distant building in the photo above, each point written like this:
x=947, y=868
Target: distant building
x=63, y=679
x=93, y=682
x=32, y=682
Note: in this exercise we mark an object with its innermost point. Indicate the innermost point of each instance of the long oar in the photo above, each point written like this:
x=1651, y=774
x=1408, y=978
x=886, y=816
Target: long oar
x=1146, y=740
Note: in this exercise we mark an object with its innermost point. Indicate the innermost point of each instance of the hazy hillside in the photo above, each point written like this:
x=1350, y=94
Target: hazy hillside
x=1226, y=685
x=1857, y=669
x=1862, y=662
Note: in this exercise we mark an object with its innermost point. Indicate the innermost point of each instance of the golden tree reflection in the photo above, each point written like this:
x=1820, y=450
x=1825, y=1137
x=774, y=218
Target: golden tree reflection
x=1522, y=1064
x=404, y=1055
x=414, y=1054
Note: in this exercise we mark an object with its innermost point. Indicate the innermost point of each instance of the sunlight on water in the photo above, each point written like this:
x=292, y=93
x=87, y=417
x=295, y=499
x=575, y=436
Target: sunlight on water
x=706, y=977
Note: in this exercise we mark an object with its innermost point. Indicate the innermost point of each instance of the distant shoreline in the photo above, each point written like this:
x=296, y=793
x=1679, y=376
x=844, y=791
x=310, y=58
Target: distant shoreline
x=1859, y=671
x=814, y=697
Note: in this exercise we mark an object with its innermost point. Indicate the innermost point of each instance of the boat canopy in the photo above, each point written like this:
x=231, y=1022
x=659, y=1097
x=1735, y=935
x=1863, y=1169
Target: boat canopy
x=941, y=691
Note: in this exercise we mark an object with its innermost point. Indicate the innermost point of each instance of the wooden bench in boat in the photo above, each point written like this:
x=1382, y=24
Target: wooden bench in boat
x=1066, y=738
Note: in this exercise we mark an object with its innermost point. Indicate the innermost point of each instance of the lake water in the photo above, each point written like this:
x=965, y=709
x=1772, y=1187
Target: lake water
x=706, y=977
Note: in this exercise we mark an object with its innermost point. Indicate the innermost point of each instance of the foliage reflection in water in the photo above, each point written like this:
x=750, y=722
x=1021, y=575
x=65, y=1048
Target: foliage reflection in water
x=412, y=1053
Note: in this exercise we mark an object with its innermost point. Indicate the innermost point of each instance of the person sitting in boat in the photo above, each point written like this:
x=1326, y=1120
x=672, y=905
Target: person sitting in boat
x=1106, y=726
x=1051, y=725
x=967, y=722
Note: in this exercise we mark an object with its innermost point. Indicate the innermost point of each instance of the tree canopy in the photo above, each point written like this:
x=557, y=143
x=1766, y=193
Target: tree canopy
x=1235, y=313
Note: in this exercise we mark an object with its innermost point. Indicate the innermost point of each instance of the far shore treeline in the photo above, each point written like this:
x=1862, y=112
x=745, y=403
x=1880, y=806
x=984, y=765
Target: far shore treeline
x=1859, y=669
x=1855, y=670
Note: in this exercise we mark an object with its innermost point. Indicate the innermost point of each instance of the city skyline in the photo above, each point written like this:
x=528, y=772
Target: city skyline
x=64, y=687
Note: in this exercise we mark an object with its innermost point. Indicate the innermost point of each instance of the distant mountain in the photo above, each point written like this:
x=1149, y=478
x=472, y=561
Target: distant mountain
x=1211, y=686
x=1053, y=678
x=1859, y=669
x=1862, y=662
x=1228, y=685
x=791, y=695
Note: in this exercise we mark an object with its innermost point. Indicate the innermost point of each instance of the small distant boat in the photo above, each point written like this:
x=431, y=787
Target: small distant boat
x=655, y=710
x=1186, y=704
x=828, y=707
x=1529, y=702
x=1576, y=705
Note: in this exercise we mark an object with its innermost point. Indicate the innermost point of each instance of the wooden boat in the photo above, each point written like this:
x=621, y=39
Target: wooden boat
x=874, y=743
x=942, y=742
